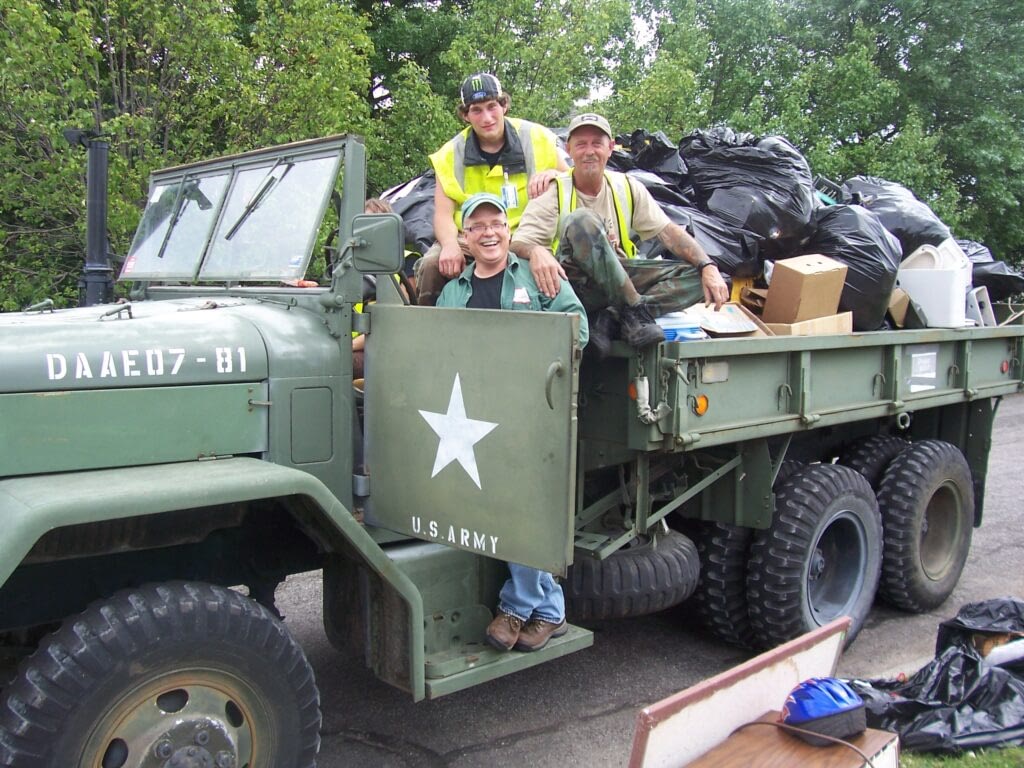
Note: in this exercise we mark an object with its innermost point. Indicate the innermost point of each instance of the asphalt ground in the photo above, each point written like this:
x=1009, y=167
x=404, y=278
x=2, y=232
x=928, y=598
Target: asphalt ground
x=581, y=709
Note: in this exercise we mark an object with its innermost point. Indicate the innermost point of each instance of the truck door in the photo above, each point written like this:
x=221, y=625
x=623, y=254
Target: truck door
x=470, y=429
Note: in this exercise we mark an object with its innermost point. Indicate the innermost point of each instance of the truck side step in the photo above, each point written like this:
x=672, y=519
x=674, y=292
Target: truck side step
x=476, y=662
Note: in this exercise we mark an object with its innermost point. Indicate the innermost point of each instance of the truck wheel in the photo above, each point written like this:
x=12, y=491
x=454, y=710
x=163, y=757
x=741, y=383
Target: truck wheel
x=820, y=558
x=720, y=599
x=927, y=503
x=872, y=455
x=167, y=674
x=650, y=574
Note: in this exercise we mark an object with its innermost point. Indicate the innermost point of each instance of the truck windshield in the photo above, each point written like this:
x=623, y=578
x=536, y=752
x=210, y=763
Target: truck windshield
x=251, y=217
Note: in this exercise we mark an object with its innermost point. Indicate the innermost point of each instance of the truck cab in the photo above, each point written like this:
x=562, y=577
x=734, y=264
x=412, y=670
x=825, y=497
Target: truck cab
x=170, y=458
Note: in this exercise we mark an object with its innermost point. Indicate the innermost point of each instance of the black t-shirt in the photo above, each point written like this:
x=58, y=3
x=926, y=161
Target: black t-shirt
x=492, y=158
x=486, y=292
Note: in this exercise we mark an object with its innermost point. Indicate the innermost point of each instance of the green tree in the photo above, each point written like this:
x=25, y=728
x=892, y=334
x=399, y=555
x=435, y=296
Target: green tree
x=961, y=76
x=310, y=66
x=414, y=123
x=407, y=31
x=656, y=86
x=167, y=83
x=549, y=54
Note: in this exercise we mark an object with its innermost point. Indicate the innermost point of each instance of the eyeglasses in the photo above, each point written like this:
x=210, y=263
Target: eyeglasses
x=480, y=229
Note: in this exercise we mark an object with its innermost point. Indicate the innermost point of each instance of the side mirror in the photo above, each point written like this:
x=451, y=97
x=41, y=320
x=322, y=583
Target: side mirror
x=378, y=243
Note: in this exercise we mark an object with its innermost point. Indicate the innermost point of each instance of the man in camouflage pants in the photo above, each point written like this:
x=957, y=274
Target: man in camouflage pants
x=582, y=229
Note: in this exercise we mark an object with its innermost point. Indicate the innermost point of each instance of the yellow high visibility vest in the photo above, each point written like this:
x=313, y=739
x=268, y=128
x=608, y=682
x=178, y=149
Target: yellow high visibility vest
x=622, y=197
x=459, y=181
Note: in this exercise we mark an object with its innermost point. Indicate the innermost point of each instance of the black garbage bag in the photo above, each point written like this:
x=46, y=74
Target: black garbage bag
x=621, y=160
x=735, y=251
x=853, y=235
x=760, y=184
x=912, y=221
x=976, y=252
x=414, y=202
x=663, y=192
x=1002, y=281
x=957, y=701
x=654, y=152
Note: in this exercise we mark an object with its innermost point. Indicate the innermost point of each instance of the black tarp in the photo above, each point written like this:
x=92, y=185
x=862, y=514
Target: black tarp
x=414, y=202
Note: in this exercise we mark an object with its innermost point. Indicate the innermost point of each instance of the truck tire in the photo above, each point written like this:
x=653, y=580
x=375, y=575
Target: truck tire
x=872, y=455
x=649, y=575
x=927, y=504
x=720, y=600
x=156, y=671
x=820, y=559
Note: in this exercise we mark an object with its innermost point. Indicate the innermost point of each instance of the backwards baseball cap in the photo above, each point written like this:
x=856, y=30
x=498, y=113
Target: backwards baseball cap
x=590, y=118
x=480, y=87
x=481, y=198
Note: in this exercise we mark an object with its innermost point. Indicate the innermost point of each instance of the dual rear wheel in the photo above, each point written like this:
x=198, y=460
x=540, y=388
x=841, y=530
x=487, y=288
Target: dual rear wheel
x=895, y=517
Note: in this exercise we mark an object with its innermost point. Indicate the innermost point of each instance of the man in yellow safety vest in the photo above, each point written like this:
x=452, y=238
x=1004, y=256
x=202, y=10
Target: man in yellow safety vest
x=511, y=158
x=584, y=228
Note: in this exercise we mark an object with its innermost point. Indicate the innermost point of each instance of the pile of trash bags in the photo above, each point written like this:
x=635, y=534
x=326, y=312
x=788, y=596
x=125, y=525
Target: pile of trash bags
x=970, y=695
x=750, y=199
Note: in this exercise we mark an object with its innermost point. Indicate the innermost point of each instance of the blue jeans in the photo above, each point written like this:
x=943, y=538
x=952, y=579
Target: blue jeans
x=530, y=593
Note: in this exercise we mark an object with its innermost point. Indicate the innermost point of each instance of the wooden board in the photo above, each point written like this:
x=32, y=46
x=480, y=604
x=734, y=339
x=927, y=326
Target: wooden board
x=765, y=746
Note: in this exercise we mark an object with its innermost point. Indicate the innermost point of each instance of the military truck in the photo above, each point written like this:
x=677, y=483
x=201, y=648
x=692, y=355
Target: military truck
x=169, y=459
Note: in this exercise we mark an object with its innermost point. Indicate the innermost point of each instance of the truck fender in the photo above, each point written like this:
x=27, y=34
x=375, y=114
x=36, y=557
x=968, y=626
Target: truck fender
x=33, y=505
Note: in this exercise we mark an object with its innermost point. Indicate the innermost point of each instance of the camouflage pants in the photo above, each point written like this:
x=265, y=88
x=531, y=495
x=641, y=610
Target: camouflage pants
x=429, y=280
x=601, y=278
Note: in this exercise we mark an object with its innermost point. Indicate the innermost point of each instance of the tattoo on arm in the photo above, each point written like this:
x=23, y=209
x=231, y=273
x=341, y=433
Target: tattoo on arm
x=676, y=239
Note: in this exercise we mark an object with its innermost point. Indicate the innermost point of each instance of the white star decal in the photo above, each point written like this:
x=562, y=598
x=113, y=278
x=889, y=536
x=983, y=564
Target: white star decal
x=458, y=434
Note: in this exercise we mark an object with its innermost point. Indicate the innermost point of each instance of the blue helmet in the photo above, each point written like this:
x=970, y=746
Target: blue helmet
x=825, y=705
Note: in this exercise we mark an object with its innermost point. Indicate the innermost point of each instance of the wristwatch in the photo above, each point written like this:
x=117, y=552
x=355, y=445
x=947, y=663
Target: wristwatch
x=703, y=264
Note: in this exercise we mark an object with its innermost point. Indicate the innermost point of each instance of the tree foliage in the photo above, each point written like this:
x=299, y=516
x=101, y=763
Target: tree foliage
x=929, y=93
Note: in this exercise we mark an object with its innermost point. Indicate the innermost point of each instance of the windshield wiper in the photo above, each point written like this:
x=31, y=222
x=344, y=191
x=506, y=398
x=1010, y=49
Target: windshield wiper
x=262, y=193
x=180, y=201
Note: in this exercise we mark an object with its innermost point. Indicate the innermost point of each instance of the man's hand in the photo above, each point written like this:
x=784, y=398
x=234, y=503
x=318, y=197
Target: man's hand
x=451, y=261
x=539, y=182
x=715, y=290
x=547, y=272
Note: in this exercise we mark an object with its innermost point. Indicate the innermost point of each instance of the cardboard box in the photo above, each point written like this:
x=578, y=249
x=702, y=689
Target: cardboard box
x=898, y=303
x=818, y=326
x=754, y=299
x=730, y=320
x=803, y=288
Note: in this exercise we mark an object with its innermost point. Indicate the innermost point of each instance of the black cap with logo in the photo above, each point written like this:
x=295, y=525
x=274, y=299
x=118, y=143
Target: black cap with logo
x=480, y=87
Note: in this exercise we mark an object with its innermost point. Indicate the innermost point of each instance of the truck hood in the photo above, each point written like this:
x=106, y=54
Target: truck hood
x=155, y=343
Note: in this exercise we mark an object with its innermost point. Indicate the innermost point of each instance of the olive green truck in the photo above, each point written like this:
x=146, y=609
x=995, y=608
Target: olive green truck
x=166, y=461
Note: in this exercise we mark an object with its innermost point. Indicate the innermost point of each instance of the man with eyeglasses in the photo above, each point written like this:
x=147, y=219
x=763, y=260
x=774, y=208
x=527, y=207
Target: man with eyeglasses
x=531, y=605
x=508, y=157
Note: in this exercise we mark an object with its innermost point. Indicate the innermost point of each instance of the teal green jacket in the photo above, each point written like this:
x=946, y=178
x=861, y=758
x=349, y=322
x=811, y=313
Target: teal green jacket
x=518, y=292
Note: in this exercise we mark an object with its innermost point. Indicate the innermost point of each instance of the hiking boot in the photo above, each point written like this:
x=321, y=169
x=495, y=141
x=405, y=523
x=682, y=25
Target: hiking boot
x=603, y=329
x=638, y=327
x=537, y=632
x=503, y=631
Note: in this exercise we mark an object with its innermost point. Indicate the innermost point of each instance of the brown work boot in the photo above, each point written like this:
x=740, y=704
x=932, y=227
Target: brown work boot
x=503, y=631
x=537, y=632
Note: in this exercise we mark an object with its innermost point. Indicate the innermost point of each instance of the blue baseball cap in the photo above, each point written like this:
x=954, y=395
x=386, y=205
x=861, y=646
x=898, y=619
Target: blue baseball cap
x=482, y=198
